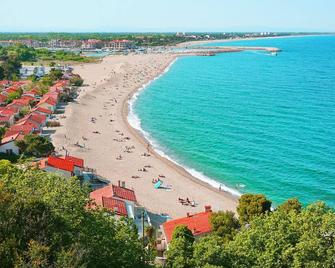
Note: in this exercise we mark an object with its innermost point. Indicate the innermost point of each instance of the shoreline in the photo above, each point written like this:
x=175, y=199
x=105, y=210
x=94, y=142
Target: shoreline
x=101, y=156
x=142, y=136
x=201, y=42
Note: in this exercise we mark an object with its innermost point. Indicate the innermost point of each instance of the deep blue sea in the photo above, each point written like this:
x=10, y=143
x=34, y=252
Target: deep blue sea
x=251, y=121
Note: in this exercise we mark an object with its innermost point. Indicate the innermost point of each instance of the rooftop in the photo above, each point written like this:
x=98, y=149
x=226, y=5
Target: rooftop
x=198, y=223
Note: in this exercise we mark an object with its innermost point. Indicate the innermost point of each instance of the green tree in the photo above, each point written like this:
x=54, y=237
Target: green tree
x=291, y=205
x=35, y=145
x=280, y=239
x=47, y=81
x=2, y=73
x=210, y=250
x=11, y=67
x=251, y=206
x=45, y=222
x=13, y=95
x=180, y=253
x=76, y=81
x=225, y=224
x=2, y=132
x=55, y=74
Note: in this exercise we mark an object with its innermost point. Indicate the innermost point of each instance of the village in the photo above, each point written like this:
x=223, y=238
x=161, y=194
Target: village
x=33, y=113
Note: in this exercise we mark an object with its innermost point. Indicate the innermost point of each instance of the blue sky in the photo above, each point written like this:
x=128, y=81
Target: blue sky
x=167, y=15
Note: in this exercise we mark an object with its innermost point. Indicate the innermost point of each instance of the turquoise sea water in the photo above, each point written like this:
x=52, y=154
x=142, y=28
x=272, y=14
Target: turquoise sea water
x=254, y=122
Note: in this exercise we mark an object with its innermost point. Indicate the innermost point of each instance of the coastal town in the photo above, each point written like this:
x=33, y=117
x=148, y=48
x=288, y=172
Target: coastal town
x=74, y=120
x=28, y=113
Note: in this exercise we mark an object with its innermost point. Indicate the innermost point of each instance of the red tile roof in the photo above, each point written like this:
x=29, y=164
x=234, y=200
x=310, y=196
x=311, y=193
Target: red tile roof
x=48, y=100
x=24, y=129
x=13, y=108
x=75, y=160
x=99, y=193
x=112, y=191
x=34, y=118
x=27, y=97
x=28, y=122
x=21, y=102
x=5, y=111
x=14, y=137
x=42, y=110
x=4, y=118
x=198, y=223
x=4, y=82
x=123, y=193
x=60, y=163
x=115, y=205
x=3, y=98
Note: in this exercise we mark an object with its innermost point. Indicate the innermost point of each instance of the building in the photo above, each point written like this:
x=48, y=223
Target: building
x=48, y=102
x=3, y=100
x=38, y=120
x=67, y=166
x=7, y=117
x=199, y=225
x=13, y=134
x=8, y=144
x=26, y=71
x=91, y=44
x=122, y=202
x=43, y=111
x=118, y=45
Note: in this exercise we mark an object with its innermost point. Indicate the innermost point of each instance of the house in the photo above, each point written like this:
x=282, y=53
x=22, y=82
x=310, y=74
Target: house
x=7, y=117
x=24, y=129
x=20, y=104
x=68, y=166
x=8, y=145
x=3, y=100
x=118, y=45
x=103, y=197
x=13, y=134
x=26, y=71
x=121, y=201
x=33, y=93
x=48, y=103
x=41, y=110
x=5, y=83
x=38, y=120
x=199, y=225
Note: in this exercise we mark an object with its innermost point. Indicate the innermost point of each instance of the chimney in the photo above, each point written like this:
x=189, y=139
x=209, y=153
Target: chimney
x=188, y=214
x=119, y=183
x=123, y=184
x=208, y=209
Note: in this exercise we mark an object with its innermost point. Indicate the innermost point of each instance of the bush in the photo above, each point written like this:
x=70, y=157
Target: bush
x=76, y=81
x=53, y=124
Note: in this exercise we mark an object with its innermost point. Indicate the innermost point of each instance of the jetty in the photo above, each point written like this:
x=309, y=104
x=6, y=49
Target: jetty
x=213, y=50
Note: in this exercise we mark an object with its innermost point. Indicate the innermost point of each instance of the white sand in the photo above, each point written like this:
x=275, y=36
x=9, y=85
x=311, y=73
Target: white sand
x=109, y=86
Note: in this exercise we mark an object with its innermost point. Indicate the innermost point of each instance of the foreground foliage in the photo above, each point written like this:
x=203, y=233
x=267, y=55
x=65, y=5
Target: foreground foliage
x=44, y=223
x=290, y=236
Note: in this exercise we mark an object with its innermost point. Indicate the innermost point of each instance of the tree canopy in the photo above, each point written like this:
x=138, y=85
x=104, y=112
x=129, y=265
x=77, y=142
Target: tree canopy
x=35, y=145
x=45, y=222
x=252, y=205
x=290, y=236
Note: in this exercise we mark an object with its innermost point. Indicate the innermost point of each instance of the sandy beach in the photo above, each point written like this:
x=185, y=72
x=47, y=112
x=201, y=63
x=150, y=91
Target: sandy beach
x=97, y=121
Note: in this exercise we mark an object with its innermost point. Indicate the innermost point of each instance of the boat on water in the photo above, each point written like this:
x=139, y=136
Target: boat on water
x=273, y=53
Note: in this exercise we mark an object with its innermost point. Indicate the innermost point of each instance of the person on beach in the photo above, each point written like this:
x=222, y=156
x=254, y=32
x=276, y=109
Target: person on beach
x=148, y=147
